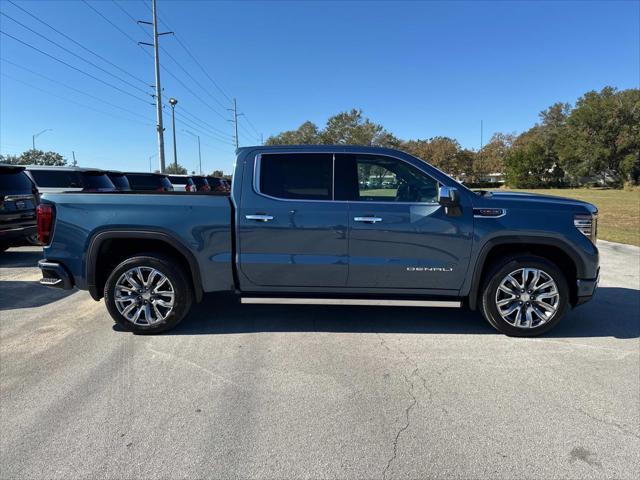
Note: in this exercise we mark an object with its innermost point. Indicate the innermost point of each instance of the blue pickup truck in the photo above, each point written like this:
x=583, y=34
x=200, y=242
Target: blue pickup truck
x=325, y=225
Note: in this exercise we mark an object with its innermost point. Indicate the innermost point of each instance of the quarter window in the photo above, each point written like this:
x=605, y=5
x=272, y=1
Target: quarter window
x=306, y=176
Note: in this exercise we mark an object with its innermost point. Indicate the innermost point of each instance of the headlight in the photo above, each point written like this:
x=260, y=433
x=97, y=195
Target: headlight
x=588, y=226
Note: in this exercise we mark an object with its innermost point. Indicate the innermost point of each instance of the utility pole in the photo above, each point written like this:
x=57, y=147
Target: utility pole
x=73, y=154
x=173, y=102
x=159, y=126
x=261, y=139
x=480, y=152
x=235, y=120
x=199, y=152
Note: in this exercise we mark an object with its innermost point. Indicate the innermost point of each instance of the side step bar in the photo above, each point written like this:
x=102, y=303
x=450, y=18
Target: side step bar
x=371, y=302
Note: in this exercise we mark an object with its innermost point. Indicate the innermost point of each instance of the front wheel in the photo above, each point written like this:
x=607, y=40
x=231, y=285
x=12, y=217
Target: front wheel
x=148, y=293
x=524, y=296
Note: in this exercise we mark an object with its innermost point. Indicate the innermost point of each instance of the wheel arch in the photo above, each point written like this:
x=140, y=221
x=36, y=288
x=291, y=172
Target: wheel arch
x=559, y=252
x=126, y=242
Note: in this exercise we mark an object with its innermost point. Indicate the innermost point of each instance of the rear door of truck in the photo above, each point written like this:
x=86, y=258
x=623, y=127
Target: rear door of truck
x=291, y=232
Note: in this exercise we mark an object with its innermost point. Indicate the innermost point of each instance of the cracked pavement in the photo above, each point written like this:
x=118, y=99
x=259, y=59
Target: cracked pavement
x=317, y=392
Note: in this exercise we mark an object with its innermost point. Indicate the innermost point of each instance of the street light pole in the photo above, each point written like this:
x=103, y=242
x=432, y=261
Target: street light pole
x=199, y=152
x=36, y=135
x=173, y=102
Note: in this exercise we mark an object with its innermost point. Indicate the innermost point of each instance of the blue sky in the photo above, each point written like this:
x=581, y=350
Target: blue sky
x=420, y=68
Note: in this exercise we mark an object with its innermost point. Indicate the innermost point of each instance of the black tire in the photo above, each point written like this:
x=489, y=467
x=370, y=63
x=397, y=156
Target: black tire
x=167, y=266
x=499, y=272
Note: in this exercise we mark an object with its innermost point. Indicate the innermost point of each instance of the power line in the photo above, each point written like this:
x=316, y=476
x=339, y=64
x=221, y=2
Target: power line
x=72, y=88
x=251, y=125
x=72, y=101
x=73, y=67
x=78, y=43
x=164, y=51
x=116, y=27
x=73, y=53
x=215, y=84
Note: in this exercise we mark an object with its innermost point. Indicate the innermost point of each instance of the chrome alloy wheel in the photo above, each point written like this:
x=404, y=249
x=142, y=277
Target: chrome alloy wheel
x=144, y=296
x=527, y=298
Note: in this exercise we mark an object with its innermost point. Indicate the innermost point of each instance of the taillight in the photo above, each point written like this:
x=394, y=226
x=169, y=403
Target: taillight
x=44, y=213
x=161, y=189
x=187, y=188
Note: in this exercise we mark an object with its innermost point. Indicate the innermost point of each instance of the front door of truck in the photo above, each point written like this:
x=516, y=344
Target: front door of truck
x=399, y=236
x=291, y=232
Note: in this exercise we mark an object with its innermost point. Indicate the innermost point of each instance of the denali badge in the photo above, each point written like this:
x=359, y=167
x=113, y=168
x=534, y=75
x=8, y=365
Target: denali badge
x=429, y=269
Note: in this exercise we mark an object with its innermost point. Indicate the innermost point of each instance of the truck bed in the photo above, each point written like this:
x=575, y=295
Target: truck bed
x=199, y=222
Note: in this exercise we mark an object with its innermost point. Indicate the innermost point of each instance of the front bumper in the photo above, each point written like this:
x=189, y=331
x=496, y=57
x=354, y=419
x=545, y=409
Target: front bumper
x=55, y=275
x=586, y=289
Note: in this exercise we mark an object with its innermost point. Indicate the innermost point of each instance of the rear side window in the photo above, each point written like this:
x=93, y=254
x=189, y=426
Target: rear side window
x=14, y=182
x=302, y=176
x=96, y=181
x=144, y=182
x=56, y=178
x=175, y=180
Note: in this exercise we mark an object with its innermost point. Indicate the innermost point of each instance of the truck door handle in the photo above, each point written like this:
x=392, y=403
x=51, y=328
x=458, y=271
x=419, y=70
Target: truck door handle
x=259, y=218
x=367, y=219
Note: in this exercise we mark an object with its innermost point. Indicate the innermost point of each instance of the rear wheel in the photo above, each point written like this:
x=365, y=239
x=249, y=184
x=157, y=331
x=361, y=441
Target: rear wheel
x=148, y=293
x=524, y=296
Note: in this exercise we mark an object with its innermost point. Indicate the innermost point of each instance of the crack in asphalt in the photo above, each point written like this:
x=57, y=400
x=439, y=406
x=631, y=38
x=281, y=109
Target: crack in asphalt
x=414, y=400
x=407, y=412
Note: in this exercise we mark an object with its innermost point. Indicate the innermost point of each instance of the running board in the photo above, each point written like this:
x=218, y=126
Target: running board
x=371, y=302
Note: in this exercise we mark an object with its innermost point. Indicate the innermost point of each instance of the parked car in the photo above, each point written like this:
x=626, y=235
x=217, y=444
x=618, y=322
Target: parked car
x=70, y=179
x=201, y=183
x=119, y=180
x=18, y=200
x=298, y=229
x=218, y=185
x=182, y=183
x=158, y=182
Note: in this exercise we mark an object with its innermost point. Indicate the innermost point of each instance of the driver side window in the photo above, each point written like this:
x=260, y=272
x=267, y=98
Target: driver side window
x=386, y=179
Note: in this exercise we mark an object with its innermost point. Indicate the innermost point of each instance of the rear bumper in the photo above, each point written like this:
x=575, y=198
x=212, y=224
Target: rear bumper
x=55, y=275
x=586, y=289
x=15, y=234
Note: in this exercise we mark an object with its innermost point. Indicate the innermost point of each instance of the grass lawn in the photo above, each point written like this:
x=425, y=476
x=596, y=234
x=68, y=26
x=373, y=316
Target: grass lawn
x=618, y=211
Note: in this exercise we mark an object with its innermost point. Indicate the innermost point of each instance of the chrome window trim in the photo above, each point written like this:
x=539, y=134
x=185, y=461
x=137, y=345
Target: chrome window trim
x=256, y=180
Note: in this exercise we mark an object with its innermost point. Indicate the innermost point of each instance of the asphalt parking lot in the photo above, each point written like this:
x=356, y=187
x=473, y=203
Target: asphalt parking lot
x=317, y=392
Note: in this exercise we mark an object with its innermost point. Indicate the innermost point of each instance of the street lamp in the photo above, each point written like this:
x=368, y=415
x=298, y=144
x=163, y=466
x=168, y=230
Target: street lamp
x=150, y=158
x=36, y=135
x=173, y=102
x=199, y=153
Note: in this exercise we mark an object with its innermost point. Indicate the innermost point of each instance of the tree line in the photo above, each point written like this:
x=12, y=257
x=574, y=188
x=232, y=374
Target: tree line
x=597, y=140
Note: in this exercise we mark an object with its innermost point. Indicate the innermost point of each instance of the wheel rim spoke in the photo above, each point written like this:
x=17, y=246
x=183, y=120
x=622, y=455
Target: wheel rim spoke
x=138, y=298
x=527, y=298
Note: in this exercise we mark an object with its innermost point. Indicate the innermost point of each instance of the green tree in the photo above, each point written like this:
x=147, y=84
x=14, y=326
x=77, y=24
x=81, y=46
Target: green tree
x=442, y=152
x=173, y=169
x=217, y=173
x=36, y=157
x=528, y=163
x=602, y=135
x=491, y=158
x=345, y=128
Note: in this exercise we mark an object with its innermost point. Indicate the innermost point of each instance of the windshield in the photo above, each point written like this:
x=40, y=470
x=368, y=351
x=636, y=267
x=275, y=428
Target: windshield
x=120, y=181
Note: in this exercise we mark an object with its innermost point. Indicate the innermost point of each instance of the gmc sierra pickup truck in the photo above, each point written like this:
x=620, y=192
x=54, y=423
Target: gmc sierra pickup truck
x=325, y=225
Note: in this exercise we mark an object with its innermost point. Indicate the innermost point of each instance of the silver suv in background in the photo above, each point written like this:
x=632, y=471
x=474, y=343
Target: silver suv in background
x=70, y=179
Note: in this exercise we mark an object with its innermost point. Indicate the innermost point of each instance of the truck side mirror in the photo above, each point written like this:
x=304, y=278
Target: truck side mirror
x=448, y=196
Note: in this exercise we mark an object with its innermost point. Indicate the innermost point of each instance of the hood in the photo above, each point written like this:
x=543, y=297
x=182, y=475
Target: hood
x=535, y=198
